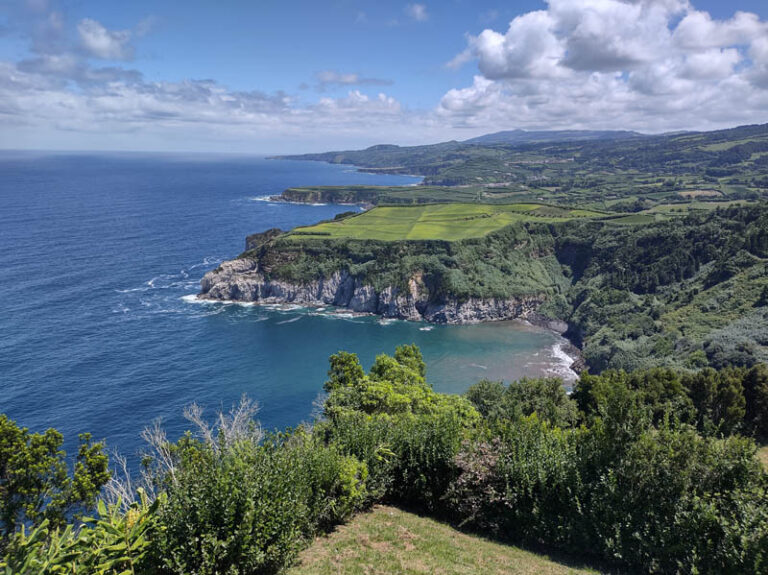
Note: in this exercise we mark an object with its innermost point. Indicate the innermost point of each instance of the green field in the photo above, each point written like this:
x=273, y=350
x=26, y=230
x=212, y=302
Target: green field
x=392, y=542
x=448, y=222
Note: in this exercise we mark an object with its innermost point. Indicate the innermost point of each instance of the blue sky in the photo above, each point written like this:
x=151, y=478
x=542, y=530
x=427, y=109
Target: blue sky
x=291, y=76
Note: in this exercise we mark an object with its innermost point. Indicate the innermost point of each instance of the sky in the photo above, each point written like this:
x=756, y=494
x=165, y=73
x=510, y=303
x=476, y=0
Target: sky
x=299, y=76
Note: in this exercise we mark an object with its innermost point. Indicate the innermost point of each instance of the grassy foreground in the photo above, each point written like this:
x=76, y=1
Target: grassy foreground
x=448, y=222
x=390, y=541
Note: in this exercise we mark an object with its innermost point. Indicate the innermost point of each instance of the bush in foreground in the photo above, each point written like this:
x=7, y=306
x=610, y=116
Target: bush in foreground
x=646, y=470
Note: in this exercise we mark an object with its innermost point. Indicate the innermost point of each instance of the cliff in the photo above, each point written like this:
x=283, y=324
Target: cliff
x=242, y=280
x=331, y=195
x=437, y=281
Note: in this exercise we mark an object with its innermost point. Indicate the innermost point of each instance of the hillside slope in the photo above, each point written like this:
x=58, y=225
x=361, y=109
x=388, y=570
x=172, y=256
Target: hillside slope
x=388, y=541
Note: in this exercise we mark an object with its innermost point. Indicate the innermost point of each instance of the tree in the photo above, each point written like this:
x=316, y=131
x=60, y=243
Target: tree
x=756, y=396
x=345, y=371
x=487, y=397
x=410, y=355
x=718, y=397
x=544, y=396
x=35, y=481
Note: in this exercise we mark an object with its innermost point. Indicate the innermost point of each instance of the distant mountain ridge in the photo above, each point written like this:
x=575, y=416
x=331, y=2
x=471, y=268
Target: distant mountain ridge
x=544, y=136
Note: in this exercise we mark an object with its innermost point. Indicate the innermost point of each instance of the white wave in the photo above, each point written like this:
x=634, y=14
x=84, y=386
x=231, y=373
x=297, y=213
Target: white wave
x=262, y=199
x=283, y=307
x=132, y=290
x=563, y=361
x=426, y=328
x=192, y=298
x=478, y=366
x=207, y=262
x=293, y=319
x=164, y=281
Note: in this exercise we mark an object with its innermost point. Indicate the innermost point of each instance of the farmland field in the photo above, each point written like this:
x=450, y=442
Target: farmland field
x=438, y=221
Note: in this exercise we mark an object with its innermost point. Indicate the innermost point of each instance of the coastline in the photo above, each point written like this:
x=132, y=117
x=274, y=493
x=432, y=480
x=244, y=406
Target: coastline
x=567, y=359
x=282, y=200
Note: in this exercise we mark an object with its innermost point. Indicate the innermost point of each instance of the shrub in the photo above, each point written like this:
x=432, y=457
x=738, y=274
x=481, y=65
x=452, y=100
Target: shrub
x=410, y=457
x=117, y=543
x=35, y=483
x=656, y=498
x=544, y=396
x=237, y=504
x=522, y=485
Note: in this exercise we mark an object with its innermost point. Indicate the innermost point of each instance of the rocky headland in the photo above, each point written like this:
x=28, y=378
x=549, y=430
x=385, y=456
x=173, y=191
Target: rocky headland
x=242, y=280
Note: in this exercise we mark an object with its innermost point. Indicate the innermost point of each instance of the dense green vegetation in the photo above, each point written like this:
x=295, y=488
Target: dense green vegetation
x=622, y=173
x=651, y=471
x=687, y=292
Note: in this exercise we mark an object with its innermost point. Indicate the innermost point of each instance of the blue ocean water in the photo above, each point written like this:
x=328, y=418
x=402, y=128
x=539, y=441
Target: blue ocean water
x=99, y=255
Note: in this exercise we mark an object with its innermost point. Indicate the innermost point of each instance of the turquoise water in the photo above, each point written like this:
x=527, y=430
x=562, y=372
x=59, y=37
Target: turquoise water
x=99, y=258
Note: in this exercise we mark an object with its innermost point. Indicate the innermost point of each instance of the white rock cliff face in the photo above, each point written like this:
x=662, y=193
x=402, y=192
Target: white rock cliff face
x=241, y=280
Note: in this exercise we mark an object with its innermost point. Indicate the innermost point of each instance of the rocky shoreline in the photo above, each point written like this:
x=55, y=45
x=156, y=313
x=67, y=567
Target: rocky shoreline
x=241, y=280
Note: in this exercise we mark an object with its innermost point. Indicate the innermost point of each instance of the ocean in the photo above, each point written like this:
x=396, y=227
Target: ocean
x=101, y=255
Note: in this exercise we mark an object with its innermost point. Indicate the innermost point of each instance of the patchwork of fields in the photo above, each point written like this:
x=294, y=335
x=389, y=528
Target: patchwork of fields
x=448, y=222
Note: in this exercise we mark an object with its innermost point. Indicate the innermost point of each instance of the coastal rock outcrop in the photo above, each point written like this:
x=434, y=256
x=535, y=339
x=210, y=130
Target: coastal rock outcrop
x=242, y=280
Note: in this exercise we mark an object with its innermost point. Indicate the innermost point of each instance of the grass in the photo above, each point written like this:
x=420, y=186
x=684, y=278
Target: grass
x=762, y=455
x=448, y=222
x=392, y=542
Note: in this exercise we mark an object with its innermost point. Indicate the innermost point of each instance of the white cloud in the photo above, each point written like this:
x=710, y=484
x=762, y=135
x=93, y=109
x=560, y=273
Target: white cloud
x=197, y=114
x=102, y=43
x=528, y=49
x=417, y=12
x=699, y=31
x=651, y=65
x=329, y=78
